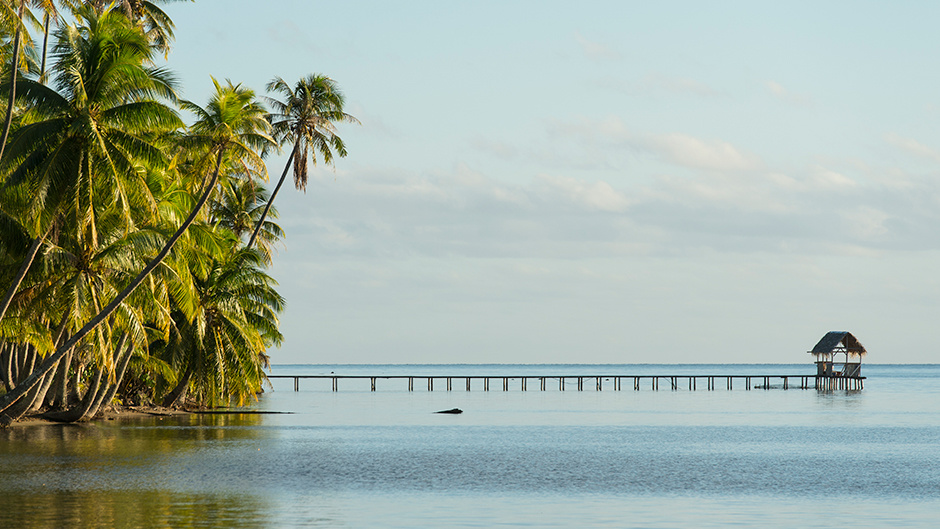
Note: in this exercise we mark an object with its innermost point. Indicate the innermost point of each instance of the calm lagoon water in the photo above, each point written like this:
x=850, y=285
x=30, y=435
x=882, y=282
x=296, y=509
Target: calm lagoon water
x=355, y=458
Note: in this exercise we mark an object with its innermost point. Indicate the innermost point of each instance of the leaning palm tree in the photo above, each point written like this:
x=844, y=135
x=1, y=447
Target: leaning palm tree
x=306, y=117
x=77, y=277
x=231, y=127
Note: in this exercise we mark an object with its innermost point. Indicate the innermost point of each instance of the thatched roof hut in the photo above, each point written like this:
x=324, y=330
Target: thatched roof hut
x=835, y=343
x=839, y=342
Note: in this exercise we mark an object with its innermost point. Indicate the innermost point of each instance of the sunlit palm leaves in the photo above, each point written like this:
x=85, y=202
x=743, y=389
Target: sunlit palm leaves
x=88, y=141
x=137, y=222
x=305, y=117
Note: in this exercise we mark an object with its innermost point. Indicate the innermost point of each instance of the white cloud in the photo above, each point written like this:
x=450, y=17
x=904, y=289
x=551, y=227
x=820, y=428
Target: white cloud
x=787, y=96
x=658, y=81
x=912, y=146
x=866, y=222
x=595, y=50
x=610, y=137
x=697, y=153
x=827, y=179
x=595, y=196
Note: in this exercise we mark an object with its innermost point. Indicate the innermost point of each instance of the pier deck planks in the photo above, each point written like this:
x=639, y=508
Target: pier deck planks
x=805, y=381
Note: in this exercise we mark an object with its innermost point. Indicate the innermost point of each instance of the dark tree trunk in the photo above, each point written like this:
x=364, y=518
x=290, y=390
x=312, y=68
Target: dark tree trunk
x=14, y=67
x=20, y=274
x=45, y=45
x=100, y=392
x=47, y=380
x=179, y=392
x=60, y=390
x=78, y=412
x=41, y=394
x=119, y=378
x=5, y=356
x=15, y=412
x=14, y=364
x=27, y=361
x=30, y=382
x=73, y=398
x=277, y=188
x=105, y=388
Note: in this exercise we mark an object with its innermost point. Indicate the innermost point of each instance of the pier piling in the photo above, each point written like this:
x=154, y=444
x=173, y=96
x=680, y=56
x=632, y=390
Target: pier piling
x=819, y=382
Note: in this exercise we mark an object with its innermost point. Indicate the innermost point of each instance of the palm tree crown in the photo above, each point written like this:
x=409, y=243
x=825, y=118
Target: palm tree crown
x=306, y=117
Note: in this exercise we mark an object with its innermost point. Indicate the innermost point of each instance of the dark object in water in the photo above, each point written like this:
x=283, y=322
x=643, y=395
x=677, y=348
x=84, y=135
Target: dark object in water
x=452, y=411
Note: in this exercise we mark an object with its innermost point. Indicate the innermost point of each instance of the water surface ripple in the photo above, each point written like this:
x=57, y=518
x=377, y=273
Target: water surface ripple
x=355, y=458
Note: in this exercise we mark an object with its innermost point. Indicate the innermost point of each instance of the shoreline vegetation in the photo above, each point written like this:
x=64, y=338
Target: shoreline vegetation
x=133, y=248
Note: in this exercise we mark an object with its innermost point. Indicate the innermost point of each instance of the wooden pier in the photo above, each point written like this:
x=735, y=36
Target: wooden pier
x=672, y=382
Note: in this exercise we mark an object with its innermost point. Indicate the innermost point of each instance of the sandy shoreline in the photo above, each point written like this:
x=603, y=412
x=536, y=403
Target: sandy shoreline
x=142, y=411
x=108, y=415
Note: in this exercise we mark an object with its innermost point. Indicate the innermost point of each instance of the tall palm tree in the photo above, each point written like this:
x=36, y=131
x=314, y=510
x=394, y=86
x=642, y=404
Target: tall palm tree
x=154, y=22
x=306, y=117
x=232, y=126
x=22, y=13
x=91, y=133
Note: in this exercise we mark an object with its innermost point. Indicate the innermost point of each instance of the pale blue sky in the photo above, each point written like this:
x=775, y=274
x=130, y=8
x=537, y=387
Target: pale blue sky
x=601, y=181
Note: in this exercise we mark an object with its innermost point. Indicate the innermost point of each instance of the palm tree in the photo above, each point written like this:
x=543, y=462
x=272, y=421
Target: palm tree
x=152, y=20
x=239, y=206
x=77, y=278
x=231, y=127
x=221, y=347
x=90, y=134
x=306, y=117
x=22, y=11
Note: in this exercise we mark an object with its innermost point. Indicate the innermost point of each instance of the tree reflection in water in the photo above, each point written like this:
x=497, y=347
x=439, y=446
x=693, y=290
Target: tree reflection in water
x=133, y=472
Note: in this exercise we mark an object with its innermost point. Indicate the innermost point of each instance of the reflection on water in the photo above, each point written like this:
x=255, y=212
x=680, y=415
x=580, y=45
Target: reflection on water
x=131, y=509
x=356, y=458
x=102, y=434
x=115, y=474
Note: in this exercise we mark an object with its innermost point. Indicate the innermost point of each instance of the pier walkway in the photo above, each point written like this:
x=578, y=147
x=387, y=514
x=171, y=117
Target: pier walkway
x=615, y=382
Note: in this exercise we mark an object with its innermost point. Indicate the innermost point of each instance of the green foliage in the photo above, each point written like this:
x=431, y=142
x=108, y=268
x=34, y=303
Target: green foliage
x=101, y=173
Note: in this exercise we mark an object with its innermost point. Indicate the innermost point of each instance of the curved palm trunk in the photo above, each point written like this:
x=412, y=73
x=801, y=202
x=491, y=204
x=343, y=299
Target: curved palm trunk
x=28, y=360
x=119, y=377
x=40, y=398
x=72, y=397
x=79, y=412
x=52, y=379
x=267, y=206
x=173, y=397
x=6, y=376
x=10, y=398
x=20, y=274
x=60, y=385
x=45, y=45
x=105, y=387
x=14, y=66
x=16, y=411
x=94, y=396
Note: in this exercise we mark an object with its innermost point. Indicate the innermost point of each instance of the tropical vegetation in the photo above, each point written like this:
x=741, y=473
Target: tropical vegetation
x=134, y=248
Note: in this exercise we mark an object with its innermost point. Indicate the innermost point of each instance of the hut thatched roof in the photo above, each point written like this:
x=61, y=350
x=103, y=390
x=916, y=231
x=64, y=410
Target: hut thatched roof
x=839, y=341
